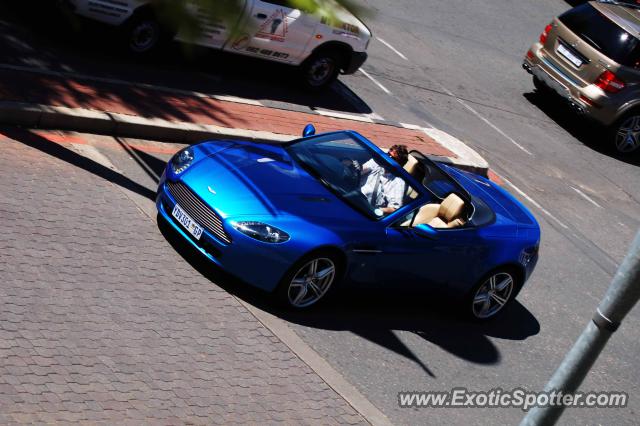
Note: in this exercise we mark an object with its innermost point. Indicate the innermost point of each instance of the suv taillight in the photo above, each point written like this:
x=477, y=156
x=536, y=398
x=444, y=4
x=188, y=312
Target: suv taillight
x=608, y=82
x=545, y=33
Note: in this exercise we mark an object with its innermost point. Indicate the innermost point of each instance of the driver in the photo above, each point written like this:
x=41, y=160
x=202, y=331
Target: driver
x=384, y=189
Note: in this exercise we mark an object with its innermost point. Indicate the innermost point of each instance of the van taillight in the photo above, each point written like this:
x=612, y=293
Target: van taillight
x=608, y=82
x=545, y=33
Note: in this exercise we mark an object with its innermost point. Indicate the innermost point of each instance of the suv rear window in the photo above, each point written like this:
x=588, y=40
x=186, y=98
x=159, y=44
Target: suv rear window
x=603, y=34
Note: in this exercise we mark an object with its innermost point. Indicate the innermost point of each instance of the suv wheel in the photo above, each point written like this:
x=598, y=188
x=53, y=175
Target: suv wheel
x=540, y=86
x=625, y=133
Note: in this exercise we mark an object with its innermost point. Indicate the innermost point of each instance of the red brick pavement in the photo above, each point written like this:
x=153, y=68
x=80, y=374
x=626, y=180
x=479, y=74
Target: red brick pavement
x=103, y=322
x=152, y=103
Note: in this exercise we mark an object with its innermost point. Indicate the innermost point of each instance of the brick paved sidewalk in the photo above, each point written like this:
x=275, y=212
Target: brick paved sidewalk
x=101, y=320
x=152, y=103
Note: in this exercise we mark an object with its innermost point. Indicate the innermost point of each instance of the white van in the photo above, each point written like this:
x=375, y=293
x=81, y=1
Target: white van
x=268, y=29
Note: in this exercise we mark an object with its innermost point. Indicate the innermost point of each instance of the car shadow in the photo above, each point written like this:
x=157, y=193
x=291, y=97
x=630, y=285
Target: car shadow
x=378, y=317
x=63, y=42
x=574, y=3
x=586, y=131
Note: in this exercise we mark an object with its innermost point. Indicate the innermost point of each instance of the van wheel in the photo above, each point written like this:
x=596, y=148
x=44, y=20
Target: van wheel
x=143, y=34
x=321, y=69
x=625, y=133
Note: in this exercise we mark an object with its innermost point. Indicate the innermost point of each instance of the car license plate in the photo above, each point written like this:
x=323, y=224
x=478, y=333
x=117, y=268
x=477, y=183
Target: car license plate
x=186, y=221
x=569, y=55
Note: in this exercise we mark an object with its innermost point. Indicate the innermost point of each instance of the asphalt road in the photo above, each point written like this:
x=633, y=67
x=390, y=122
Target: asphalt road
x=461, y=74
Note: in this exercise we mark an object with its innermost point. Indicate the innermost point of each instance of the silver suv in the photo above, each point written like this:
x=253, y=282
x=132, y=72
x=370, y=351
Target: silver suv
x=590, y=55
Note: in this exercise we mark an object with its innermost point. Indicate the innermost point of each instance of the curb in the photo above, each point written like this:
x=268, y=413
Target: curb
x=114, y=124
x=319, y=365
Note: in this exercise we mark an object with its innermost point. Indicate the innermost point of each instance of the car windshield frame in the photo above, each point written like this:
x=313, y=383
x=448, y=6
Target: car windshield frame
x=353, y=198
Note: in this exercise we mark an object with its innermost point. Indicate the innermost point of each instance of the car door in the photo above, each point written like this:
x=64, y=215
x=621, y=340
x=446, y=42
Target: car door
x=444, y=257
x=275, y=31
x=215, y=32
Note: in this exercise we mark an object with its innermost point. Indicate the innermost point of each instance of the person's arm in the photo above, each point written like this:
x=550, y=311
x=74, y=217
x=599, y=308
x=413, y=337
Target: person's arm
x=368, y=167
x=394, y=194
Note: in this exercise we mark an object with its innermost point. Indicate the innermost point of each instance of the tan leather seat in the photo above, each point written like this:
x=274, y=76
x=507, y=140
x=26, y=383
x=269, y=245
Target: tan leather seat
x=412, y=167
x=448, y=214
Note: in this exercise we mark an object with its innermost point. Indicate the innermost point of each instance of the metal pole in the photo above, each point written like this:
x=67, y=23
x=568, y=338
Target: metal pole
x=620, y=298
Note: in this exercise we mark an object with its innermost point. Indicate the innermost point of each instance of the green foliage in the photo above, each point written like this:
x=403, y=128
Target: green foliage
x=185, y=14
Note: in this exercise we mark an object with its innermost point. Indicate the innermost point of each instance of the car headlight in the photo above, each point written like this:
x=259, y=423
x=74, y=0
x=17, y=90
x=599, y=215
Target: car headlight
x=262, y=232
x=182, y=160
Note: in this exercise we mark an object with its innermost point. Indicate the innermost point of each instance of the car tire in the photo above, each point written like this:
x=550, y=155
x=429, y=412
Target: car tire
x=300, y=289
x=321, y=69
x=624, y=134
x=487, y=300
x=143, y=34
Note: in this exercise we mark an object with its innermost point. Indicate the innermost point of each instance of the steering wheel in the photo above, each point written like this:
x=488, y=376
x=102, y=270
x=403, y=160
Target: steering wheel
x=351, y=173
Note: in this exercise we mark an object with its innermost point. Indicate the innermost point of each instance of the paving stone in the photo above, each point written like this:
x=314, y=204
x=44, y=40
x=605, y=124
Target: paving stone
x=102, y=321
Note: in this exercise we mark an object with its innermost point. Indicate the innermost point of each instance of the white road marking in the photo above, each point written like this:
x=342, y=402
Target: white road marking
x=356, y=117
x=227, y=98
x=374, y=116
x=392, y=48
x=376, y=82
x=586, y=197
x=535, y=203
x=117, y=81
x=411, y=126
x=481, y=117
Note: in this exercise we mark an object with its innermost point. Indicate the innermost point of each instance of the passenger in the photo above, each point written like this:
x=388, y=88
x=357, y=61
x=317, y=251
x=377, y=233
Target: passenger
x=384, y=189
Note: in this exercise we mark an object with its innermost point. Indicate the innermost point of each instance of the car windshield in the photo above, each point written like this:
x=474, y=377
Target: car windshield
x=353, y=171
x=602, y=34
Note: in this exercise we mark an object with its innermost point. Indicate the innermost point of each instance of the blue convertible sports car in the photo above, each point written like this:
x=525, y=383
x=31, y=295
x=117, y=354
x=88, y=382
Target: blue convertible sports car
x=300, y=217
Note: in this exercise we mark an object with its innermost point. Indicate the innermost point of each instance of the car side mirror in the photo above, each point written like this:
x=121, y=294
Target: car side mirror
x=425, y=231
x=309, y=130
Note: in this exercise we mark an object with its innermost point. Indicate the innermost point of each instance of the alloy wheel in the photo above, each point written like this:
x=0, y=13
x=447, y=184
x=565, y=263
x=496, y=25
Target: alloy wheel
x=627, y=137
x=311, y=282
x=492, y=295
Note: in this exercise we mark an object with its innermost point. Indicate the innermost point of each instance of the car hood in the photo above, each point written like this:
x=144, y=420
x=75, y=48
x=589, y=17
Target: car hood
x=500, y=201
x=252, y=179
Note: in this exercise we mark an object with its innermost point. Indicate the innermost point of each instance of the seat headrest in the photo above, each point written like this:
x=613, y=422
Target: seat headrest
x=451, y=207
x=411, y=164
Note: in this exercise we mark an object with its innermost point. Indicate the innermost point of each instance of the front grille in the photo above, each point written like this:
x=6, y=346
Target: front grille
x=198, y=210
